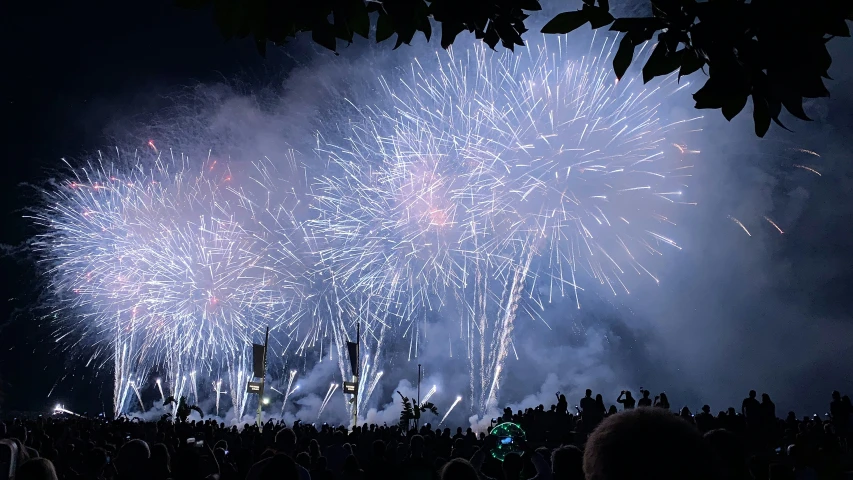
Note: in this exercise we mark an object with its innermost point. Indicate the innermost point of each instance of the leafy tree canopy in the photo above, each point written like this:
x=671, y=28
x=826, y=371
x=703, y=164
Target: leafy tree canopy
x=771, y=50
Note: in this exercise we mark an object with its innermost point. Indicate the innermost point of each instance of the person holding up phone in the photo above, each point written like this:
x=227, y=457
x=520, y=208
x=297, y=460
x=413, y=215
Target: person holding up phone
x=628, y=401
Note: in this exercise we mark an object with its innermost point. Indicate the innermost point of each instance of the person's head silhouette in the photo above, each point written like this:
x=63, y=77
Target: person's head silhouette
x=645, y=394
x=567, y=462
x=836, y=395
x=706, y=408
x=752, y=394
x=647, y=443
x=512, y=465
x=36, y=469
x=588, y=393
x=458, y=469
x=285, y=441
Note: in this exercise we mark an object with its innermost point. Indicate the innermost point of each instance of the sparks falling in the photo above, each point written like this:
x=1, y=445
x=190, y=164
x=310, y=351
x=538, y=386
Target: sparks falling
x=486, y=185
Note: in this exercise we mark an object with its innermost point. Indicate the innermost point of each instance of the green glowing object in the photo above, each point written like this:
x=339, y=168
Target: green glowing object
x=509, y=436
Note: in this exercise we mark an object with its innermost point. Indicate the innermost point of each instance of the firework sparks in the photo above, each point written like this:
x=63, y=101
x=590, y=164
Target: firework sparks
x=163, y=262
x=490, y=171
x=739, y=224
x=771, y=222
x=452, y=406
x=807, y=168
x=486, y=181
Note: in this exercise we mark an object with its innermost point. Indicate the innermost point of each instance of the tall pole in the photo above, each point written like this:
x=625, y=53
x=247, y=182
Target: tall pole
x=418, y=405
x=263, y=379
x=355, y=374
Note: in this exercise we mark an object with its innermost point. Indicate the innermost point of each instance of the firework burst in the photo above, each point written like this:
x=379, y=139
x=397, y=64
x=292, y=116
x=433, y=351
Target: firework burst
x=161, y=264
x=492, y=180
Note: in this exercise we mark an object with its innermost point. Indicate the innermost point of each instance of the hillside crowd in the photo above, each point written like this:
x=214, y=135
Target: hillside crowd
x=645, y=440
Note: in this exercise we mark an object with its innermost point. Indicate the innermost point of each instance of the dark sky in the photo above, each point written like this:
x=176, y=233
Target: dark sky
x=70, y=70
x=736, y=312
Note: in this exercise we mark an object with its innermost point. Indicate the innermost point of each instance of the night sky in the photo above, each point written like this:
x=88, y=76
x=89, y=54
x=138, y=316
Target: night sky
x=733, y=313
x=73, y=69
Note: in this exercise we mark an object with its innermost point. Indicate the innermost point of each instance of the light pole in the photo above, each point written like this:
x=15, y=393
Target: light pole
x=355, y=375
x=263, y=380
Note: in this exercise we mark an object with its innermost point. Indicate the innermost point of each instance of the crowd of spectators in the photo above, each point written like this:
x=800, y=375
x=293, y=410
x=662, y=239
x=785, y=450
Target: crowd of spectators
x=646, y=440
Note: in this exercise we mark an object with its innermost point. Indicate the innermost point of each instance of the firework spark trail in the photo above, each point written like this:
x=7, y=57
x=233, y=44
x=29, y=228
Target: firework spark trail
x=120, y=379
x=738, y=222
x=288, y=390
x=428, y=395
x=138, y=395
x=239, y=373
x=452, y=406
x=160, y=389
x=810, y=169
x=503, y=333
x=373, y=382
x=193, y=387
x=326, y=399
x=810, y=152
x=771, y=222
x=342, y=314
x=217, y=390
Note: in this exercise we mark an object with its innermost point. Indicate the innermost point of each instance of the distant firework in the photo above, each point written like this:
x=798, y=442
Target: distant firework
x=164, y=264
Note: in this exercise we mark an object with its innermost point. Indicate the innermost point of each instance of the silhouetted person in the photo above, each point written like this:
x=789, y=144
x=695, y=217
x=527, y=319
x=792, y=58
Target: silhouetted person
x=457, y=469
x=750, y=408
x=645, y=401
x=730, y=455
x=512, y=466
x=592, y=414
x=562, y=404
x=352, y=470
x=768, y=413
x=587, y=403
x=36, y=469
x=705, y=422
x=662, y=401
x=285, y=443
x=133, y=461
x=599, y=405
x=612, y=410
x=320, y=471
x=160, y=462
x=627, y=402
x=802, y=469
x=279, y=467
x=567, y=463
x=649, y=444
x=379, y=466
x=416, y=467
x=839, y=413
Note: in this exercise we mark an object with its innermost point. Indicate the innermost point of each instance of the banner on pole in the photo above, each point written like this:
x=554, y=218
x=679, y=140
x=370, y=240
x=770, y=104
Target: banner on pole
x=352, y=348
x=258, y=360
